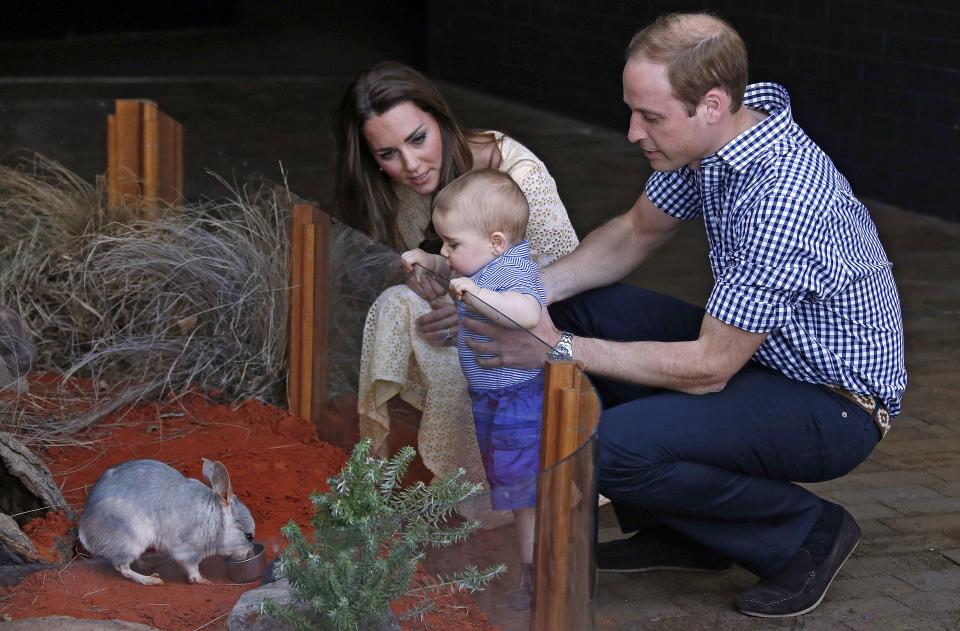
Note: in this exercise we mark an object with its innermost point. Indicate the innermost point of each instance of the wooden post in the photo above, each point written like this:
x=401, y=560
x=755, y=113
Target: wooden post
x=144, y=157
x=309, y=312
x=570, y=414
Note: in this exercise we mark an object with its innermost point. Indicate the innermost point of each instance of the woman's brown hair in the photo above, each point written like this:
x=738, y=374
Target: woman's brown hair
x=364, y=195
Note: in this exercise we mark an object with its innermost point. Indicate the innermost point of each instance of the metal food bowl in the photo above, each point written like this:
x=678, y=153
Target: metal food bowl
x=249, y=569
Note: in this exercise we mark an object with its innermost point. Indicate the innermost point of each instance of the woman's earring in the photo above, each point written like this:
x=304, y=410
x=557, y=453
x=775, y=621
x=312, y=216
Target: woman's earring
x=380, y=169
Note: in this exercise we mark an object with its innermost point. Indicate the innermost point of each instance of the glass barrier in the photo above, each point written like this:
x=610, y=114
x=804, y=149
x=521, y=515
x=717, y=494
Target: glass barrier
x=249, y=301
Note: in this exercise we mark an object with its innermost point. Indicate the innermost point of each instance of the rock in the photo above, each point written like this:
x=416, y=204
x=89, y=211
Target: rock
x=10, y=575
x=66, y=623
x=15, y=546
x=26, y=482
x=17, y=353
x=246, y=613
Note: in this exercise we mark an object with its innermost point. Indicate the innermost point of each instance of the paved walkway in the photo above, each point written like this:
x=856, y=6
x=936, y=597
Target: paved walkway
x=906, y=572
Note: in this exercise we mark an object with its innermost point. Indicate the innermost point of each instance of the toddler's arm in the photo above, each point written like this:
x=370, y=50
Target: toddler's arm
x=417, y=260
x=523, y=309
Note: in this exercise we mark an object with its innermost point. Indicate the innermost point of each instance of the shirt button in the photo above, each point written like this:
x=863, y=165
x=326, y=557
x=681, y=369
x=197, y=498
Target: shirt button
x=843, y=414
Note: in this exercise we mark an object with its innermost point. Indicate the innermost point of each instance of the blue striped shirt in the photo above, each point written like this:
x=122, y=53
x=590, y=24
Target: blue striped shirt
x=513, y=270
x=795, y=254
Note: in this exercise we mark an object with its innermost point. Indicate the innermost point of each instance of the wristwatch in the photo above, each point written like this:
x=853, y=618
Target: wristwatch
x=563, y=351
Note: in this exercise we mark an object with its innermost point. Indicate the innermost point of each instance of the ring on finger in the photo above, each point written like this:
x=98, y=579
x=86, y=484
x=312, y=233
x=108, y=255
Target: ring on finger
x=447, y=335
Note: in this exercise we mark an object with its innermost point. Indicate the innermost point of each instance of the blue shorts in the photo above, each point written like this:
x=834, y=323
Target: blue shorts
x=508, y=432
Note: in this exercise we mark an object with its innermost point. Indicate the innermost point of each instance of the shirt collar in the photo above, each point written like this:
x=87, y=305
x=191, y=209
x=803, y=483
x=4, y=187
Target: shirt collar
x=771, y=98
x=520, y=250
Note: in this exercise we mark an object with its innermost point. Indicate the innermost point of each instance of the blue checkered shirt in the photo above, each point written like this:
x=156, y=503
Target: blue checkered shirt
x=795, y=254
x=513, y=270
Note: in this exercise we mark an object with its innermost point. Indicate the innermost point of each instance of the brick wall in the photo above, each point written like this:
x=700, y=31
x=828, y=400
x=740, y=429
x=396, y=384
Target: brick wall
x=875, y=83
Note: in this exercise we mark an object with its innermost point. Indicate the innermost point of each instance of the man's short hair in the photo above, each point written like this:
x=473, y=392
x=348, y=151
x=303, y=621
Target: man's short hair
x=701, y=51
x=491, y=201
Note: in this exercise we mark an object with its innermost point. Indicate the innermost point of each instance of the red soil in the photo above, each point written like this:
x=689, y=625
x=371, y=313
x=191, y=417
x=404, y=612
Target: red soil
x=274, y=461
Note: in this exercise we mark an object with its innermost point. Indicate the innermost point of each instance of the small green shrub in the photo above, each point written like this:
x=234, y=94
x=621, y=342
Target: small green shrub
x=370, y=535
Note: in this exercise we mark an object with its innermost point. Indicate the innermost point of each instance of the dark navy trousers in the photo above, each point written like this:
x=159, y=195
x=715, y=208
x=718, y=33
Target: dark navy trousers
x=719, y=468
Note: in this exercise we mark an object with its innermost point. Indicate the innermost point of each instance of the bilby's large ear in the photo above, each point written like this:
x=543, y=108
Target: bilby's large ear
x=218, y=478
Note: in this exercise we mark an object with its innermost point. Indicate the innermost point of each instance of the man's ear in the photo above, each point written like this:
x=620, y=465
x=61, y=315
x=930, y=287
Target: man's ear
x=498, y=243
x=716, y=102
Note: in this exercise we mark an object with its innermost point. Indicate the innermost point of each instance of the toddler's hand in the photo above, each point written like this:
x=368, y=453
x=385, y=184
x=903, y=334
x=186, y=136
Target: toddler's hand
x=415, y=261
x=462, y=285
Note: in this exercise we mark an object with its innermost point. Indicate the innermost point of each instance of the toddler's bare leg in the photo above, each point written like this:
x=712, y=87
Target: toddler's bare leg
x=525, y=519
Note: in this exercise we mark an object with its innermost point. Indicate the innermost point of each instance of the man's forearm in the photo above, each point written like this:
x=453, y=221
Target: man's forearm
x=605, y=256
x=697, y=367
x=611, y=251
x=677, y=366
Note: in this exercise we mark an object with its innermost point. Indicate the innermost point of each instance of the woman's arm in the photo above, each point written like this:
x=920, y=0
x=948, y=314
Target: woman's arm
x=549, y=231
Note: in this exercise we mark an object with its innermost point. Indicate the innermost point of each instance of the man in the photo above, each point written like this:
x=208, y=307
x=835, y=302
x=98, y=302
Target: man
x=792, y=371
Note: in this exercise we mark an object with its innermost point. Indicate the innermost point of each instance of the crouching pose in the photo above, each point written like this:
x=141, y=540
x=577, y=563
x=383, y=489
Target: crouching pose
x=792, y=371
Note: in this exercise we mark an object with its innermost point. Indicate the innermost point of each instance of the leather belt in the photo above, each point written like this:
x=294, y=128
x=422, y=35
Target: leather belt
x=870, y=405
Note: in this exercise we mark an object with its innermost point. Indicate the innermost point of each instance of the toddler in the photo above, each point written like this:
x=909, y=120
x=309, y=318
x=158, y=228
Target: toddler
x=482, y=219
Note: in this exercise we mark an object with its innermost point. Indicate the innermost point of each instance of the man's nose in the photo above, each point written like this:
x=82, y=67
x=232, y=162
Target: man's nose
x=635, y=131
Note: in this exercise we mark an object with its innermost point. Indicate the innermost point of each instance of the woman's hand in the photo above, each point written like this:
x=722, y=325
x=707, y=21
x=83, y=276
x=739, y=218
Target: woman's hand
x=425, y=285
x=439, y=327
x=515, y=348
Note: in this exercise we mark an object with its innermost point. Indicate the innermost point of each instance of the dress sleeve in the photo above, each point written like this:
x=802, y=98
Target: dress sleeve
x=549, y=230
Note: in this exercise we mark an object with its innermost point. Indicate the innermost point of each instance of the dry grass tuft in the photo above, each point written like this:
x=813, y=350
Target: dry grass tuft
x=195, y=300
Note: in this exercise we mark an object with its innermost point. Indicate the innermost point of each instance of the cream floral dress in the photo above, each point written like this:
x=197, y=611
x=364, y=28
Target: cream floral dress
x=396, y=361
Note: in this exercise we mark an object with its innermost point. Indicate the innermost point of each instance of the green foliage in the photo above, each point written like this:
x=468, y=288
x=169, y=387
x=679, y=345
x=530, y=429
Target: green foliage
x=370, y=534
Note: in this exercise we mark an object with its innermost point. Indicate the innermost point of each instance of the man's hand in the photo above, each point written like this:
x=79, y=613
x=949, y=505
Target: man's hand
x=515, y=348
x=439, y=326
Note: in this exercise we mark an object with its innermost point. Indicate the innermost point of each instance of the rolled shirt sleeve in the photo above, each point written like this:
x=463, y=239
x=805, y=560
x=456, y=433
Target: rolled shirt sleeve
x=675, y=193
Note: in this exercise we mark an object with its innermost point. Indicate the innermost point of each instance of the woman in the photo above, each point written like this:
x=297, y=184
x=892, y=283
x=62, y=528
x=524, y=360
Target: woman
x=398, y=144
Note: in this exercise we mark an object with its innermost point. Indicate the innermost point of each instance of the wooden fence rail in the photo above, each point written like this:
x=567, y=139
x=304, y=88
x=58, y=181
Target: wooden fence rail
x=309, y=312
x=144, y=157
x=562, y=555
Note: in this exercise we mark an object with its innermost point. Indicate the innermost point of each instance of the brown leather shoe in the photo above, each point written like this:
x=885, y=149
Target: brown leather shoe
x=801, y=585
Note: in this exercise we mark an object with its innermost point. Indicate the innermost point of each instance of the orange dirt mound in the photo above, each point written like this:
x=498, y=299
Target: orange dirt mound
x=50, y=535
